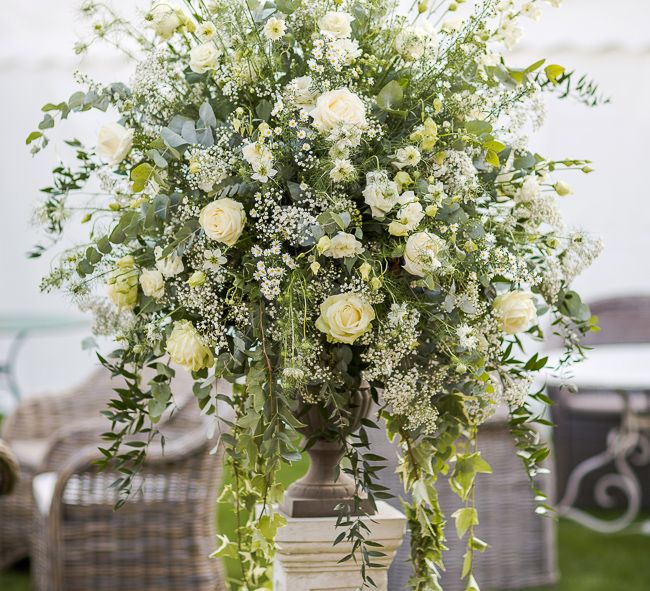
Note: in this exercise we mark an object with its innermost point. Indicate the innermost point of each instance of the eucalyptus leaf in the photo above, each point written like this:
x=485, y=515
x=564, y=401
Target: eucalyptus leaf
x=390, y=96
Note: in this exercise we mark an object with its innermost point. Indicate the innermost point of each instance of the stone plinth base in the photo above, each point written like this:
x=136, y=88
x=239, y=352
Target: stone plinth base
x=306, y=559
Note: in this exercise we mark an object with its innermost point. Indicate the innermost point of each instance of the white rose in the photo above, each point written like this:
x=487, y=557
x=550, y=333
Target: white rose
x=345, y=317
x=164, y=20
x=421, y=255
x=380, y=193
x=337, y=24
x=153, y=284
x=169, y=266
x=516, y=311
x=302, y=91
x=123, y=284
x=203, y=58
x=223, y=220
x=186, y=347
x=343, y=245
x=338, y=108
x=408, y=219
x=397, y=229
x=114, y=142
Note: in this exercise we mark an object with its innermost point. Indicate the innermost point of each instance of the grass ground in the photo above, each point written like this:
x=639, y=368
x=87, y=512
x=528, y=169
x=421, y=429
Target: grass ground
x=588, y=561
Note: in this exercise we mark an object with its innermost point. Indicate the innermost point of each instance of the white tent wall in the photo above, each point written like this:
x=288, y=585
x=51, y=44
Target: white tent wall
x=609, y=41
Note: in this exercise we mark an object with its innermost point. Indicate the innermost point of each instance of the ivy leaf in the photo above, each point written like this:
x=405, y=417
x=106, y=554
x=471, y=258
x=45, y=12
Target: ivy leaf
x=472, y=585
x=226, y=549
x=465, y=517
x=478, y=545
x=465, y=471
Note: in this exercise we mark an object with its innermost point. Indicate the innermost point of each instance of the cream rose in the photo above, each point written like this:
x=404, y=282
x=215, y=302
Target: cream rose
x=516, y=311
x=165, y=20
x=153, y=283
x=186, y=347
x=114, y=142
x=337, y=108
x=380, y=194
x=408, y=219
x=563, y=188
x=302, y=92
x=123, y=284
x=343, y=245
x=345, y=317
x=223, y=220
x=529, y=190
x=337, y=24
x=169, y=266
x=421, y=255
x=203, y=58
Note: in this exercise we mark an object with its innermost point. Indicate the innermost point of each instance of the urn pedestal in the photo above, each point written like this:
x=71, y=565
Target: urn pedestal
x=307, y=560
x=306, y=557
x=326, y=486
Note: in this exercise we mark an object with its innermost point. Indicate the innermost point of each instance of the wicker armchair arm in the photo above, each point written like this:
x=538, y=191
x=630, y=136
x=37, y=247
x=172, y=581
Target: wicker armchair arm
x=9, y=470
x=29, y=419
x=68, y=440
x=173, y=458
x=39, y=417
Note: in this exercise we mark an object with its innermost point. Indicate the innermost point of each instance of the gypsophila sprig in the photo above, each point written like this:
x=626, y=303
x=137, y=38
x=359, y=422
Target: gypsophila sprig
x=299, y=196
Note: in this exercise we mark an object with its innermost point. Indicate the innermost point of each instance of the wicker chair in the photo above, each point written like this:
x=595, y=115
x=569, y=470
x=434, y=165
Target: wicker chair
x=8, y=470
x=522, y=550
x=42, y=433
x=583, y=420
x=160, y=540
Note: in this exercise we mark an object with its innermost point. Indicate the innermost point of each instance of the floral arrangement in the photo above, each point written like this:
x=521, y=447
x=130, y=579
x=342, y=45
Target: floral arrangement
x=299, y=195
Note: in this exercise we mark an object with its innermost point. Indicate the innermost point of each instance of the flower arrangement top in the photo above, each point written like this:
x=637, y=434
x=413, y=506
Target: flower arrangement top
x=313, y=193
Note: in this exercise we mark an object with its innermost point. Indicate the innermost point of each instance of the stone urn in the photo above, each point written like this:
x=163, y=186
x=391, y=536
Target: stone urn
x=325, y=486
